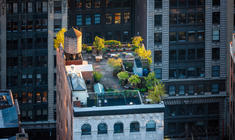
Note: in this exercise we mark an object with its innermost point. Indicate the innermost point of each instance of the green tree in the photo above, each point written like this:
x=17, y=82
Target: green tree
x=59, y=38
x=150, y=81
x=98, y=43
x=134, y=80
x=157, y=93
x=97, y=76
x=123, y=76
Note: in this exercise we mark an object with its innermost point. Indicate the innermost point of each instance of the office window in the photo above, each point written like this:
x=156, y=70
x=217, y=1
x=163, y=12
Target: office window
x=191, y=36
x=44, y=96
x=108, y=3
x=125, y=36
x=79, y=20
x=201, y=36
x=88, y=37
x=182, y=36
x=182, y=55
x=44, y=6
x=30, y=7
x=38, y=97
x=57, y=24
x=109, y=36
x=88, y=3
x=190, y=90
x=216, y=2
x=172, y=36
x=173, y=18
x=216, y=35
x=215, y=88
x=191, y=18
x=30, y=97
x=171, y=90
x=215, y=71
x=158, y=4
x=215, y=53
x=102, y=128
x=134, y=127
x=118, y=128
x=97, y=3
x=157, y=56
x=200, y=53
x=29, y=25
x=38, y=6
x=172, y=54
x=117, y=18
x=173, y=3
x=88, y=20
x=108, y=18
x=191, y=54
x=216, y=18
x=157, y=38
x=127, y=17
x=181, y=90
x=192, y=3
x=172, y=73
x=200, y=18
x=158, y=20
x=126, y=3
x=182, y=18
x=151, y=126
x=15, y=8
x=86, y=129
x=57, y=6
x=97, y=18
x=24, y=97
x=181, y=73
x=158, y=73
x=182, y=3
x=79, y=4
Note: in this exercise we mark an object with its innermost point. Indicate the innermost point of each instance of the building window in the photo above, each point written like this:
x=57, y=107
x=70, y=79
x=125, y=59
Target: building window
x=216, y=35
x=97, y=18
x=97, y=3
x=215, y=53
x=182, y=36
x=173, y=36
x=173, y=18
x=216, y=18
x=127, y=16
x=157, y=56
x=216, y=3
x=44, y=97
x=191, y=36
x=181, y=90
x=182, y=55
x=190, y=90
x=108, y=18
x=88, y=20
x=171, y=90
x=158, y=20
x=79, y=20
x=182, y=73
x=38, y=97
x=57, y=24
x=108, y=3
x=215, y=88
x=57, y=6
x=158, y=73
x=24, y=97
x=102, y=128
x=88, y=3
x=157, y=38
x=182, y=18
x=200, y=18
x=86, y=129
x=134, y=127
x=215, y=71
x=200, y=53
x=30, y=7
x=79, y=4
x=117, y=18
x=200, y=35
x=173, y=3
x=125, y=36
x=191, y=18
x=151, y=126
x=109, y=36
x=44, y=7
x=15, y=8
x=38, y=6
x=173, y=55
x=158, y=4
x=118, y=127
x=191, y=54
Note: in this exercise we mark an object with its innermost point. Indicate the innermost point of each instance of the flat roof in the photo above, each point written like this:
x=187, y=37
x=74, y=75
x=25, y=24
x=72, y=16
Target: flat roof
x=8, y=117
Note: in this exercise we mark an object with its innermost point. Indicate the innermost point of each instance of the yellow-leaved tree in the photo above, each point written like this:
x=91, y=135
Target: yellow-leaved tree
x=144, y=54
x=136, y=41
x=59, y=38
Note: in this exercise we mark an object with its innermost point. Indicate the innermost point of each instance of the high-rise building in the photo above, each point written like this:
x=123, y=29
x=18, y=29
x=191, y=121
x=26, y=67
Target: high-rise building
x=28, y=57
x=188, y=40
x=109, y=19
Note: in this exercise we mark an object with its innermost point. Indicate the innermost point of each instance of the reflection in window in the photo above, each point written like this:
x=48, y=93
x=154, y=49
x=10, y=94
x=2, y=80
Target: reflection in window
x=171, y=90
x=190, y=90
x=38, y=97
x=102, y=128
x=215, y=71
x=88, y=20
x=215, y=88
x=151, y=126
x=44, y=97
x=182, y=18
x=86, y=129
x=108, y=18
x=97, y=18
x=216, y=35
x=173, y=18
x=158, y=73
x=117, y=18
x=201, y=36
x=118, y=128
x=134, y=127
x=30, y=97
x=79, y=20
x=181, y=90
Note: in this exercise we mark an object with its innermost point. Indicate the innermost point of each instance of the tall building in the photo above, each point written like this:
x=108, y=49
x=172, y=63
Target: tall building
x=109, y=19
x=28, y=58
x=188, y=40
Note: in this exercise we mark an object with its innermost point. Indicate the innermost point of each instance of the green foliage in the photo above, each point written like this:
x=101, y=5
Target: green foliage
x=84, y=46
x=134, y=80
x=150, y=81
x=122, y=76
x=156, y=94
x=115, y=63
x=89, y=49
x=97, y=76
x=98, y=43
x=112, y=42
x=59, y=38
x=136, y=41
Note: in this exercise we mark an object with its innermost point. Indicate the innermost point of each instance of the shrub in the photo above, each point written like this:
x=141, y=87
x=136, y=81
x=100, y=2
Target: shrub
x=97, y=76
x=89, y=49
x=115, y=63
x=112, y=42
x=134, y=80
x=122, y=76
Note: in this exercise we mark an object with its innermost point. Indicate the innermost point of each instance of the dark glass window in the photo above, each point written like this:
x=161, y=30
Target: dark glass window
x=182, y=3
x=172, y=73
x=57, y=6
x=157, y=38
x=158, y=73
x=79, y=4
x=134, y=127
x=200, y=18
x=79, y=20
x=201, y=36
x=191, y=18
x=191, y=36
x=88, y=3
x=127, y=17
x=86, y=129
x=216, y=18
x=191, y=90
x=215, y=71
x=215, y=88
x=57, y=24
x=173, y=36
x=182, y=36
x=215, y=53
x=182, y=18
x=158, y=20
x=151, y=126
x=102, y=128
x=88, y=20
x=191, y=54
x=173, y=3
x=158, y=4
x=173, y=18
x=181, y=90
x=171, y=90
x=125, y=36
x=200, y=53
x=97, y=18
x=108, y=18
x=118, y=128
x=157, y=56
x=216, y=3
x=172, y=54
x=97, y=3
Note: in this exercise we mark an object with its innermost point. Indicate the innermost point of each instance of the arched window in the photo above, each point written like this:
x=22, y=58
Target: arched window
x=86, y=129
x=102, y=128
x=118, y=127
x=151, y=126
x=134, y=127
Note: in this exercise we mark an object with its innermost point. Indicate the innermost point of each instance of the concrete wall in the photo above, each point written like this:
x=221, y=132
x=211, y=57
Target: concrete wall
x=126, y=120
